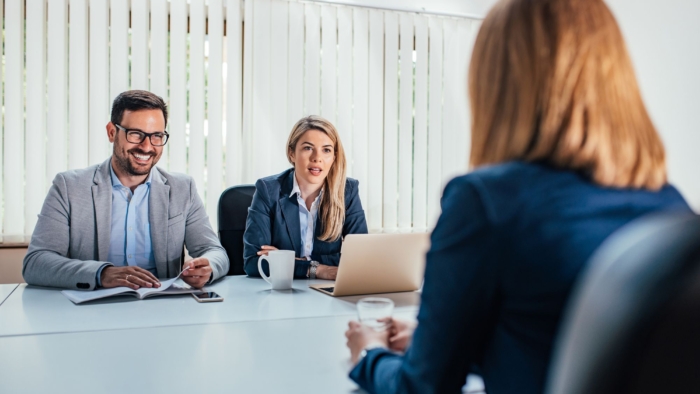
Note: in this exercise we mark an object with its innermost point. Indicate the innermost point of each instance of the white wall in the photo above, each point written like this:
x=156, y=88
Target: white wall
x=663, y=38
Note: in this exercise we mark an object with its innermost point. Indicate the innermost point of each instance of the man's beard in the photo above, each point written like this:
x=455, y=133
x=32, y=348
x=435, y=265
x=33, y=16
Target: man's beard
x=124, y=163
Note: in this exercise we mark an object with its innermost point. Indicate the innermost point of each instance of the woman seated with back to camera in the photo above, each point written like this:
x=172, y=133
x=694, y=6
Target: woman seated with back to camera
x=308, y=208
x=564, y=153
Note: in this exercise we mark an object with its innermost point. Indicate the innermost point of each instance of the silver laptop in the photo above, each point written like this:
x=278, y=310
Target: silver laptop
x=379, y=263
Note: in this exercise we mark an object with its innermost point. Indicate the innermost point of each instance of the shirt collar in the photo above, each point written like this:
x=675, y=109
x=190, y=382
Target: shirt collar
x=117, y=182
x=296, y=190
x=295, y=187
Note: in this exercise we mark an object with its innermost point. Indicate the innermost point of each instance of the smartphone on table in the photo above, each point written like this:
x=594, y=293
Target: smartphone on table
x=207, y=296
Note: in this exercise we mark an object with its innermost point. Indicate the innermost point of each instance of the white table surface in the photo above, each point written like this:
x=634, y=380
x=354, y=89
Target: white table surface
x=33, y=310
x=279, y=356
x=5, y=291
x=256, y=341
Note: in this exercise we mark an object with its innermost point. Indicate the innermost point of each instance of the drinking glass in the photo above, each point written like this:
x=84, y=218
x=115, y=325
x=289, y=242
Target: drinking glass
x=371, y=309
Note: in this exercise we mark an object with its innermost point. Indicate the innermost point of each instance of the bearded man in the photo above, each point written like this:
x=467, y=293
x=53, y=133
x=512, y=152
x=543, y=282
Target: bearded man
x=125, y=222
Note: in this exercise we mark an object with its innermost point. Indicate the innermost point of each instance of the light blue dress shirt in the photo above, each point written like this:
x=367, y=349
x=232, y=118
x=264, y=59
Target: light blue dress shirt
x=130, y=236
x=307, y=219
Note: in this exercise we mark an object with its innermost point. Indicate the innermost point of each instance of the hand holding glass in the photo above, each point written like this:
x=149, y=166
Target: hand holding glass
x=370, y=310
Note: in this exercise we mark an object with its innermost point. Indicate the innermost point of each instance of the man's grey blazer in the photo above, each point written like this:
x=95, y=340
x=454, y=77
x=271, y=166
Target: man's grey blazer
x=71, y=238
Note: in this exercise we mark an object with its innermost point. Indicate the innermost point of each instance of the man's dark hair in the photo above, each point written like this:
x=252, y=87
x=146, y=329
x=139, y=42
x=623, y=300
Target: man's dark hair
x=136, y=100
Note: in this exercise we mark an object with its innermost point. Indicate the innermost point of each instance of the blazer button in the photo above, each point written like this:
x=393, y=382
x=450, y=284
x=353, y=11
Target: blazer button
x=83, y=285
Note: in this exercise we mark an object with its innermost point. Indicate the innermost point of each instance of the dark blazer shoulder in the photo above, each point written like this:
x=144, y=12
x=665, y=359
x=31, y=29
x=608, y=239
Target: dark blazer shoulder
x=505, y=189
x=515, y=173
x=351, y=184
x=274, y=184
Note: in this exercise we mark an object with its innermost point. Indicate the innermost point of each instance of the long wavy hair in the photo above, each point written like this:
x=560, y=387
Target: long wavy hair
x=332, y=207
x=551, y=80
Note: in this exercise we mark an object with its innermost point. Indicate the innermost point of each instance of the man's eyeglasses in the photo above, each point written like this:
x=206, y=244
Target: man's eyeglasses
x=159, y=138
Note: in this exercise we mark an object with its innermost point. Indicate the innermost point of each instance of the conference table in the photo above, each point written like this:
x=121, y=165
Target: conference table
x=256, y=341
x=5, y=291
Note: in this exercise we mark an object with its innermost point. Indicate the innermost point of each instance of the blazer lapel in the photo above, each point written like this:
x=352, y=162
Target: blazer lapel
x=102, y=205
x=158, y=208
x=318, y=228
x=290, y=212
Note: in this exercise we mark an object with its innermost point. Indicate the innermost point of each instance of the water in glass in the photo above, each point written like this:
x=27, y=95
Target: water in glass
x=370, y=310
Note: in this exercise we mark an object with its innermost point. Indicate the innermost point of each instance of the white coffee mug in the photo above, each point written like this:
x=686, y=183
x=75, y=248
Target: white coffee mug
x=281, y=263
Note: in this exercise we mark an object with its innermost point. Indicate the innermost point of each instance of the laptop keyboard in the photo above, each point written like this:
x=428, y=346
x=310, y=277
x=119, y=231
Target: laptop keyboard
x=328, y=289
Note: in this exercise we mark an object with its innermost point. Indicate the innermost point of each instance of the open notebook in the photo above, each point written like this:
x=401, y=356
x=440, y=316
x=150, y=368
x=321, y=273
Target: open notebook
x=168, y=287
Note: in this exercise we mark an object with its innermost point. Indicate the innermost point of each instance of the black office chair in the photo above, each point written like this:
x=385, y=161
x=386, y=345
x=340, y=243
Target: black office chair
x=633, y=322
x=232, y=215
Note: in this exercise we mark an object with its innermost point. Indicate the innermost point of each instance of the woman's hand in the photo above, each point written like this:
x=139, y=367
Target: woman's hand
x=400, y=333
x=265, y=249
x=326, y=272
x=361, y=336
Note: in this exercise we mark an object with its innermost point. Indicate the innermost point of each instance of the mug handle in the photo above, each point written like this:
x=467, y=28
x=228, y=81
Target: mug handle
x=260, y=270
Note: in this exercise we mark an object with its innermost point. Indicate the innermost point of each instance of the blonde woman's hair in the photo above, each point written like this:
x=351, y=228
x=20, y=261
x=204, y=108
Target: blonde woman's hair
x=332, y=207
x=551, y=80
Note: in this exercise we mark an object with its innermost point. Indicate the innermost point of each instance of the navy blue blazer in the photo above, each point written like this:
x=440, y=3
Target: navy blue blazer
x=273, y=219
x=504, y=255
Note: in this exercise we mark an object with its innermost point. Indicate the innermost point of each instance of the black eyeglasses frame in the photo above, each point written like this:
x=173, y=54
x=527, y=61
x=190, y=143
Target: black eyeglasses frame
x=143, y=135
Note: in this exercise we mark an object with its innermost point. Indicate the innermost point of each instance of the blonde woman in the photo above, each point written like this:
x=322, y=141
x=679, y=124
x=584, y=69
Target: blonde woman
x=564, y=154
x=308, y=208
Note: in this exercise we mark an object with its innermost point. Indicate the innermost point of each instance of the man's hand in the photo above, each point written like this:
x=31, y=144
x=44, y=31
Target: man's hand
x=361, y=336
x=198, y=272
x=131, y=277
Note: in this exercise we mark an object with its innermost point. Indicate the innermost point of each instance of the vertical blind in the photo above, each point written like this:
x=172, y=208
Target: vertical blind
x=236, y=76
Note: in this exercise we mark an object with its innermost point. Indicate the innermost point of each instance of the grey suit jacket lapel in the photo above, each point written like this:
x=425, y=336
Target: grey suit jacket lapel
x=290, y=212
x=102, y=204
x=158, y=208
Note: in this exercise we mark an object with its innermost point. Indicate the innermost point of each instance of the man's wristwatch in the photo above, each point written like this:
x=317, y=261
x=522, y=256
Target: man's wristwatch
x=312, y=269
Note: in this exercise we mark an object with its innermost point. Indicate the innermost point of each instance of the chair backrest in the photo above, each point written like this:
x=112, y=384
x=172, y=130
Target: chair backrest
x=232, y=215
x=633, y=320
